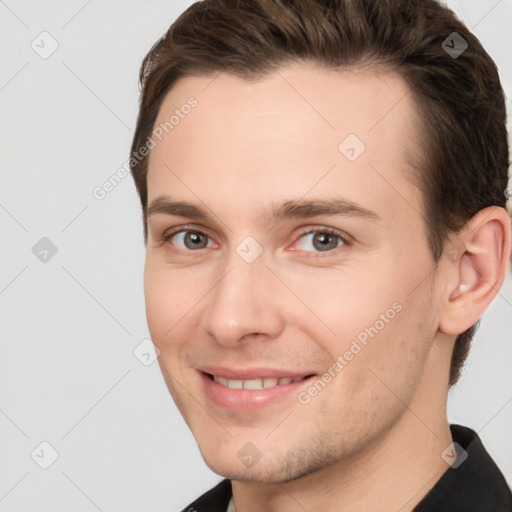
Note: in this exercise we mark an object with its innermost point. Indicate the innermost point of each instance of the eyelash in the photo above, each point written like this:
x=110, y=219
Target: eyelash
x=317, y=254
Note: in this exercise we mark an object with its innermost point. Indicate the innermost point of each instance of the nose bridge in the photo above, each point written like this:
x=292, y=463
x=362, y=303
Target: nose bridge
x=241, y=301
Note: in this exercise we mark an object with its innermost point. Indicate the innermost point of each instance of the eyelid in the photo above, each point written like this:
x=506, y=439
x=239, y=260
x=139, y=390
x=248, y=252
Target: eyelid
x=178, y=229
x=326, y=229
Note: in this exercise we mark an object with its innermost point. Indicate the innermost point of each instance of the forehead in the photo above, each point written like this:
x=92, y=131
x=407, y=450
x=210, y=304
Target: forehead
x=283, y=134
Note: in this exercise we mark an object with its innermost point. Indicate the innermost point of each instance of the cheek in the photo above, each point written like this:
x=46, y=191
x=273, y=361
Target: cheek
x=395, y=355
x=376, y=377
x=168, y=301
x=347, y=304
x=370, y=321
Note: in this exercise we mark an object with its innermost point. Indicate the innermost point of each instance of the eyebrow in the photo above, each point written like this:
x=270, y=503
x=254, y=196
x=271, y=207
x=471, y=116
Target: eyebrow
x=293, y=208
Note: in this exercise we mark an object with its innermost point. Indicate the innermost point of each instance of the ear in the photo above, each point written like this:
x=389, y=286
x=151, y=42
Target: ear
x=477, y=269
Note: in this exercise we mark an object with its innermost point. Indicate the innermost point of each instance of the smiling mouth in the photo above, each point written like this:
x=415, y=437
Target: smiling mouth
x=256, y=384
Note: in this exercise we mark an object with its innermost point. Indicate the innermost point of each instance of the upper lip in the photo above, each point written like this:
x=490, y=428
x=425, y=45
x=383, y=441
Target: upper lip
x=252, y=373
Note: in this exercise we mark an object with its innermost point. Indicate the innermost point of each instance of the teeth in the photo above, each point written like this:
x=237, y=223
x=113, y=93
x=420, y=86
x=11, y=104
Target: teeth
x=255, y=383
x=270, y=382
x=221, y=380
x=235, y=384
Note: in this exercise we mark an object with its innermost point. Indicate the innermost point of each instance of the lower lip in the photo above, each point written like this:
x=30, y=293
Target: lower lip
x=248, y=399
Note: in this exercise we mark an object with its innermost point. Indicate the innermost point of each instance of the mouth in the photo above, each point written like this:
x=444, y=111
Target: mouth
x=256, y=383
x=253, y=392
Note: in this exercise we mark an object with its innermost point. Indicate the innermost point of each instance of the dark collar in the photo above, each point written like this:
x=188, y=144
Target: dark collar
x=477, y=485
x=214, y=500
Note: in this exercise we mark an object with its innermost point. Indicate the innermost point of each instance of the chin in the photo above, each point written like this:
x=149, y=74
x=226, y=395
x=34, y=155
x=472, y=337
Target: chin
x=274, y=469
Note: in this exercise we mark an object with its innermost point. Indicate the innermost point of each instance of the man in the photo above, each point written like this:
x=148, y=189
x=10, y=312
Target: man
x=323, y=192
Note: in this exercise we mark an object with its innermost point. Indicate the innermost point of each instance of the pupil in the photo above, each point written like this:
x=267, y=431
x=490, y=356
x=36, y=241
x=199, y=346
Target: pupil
x=323, y=238
x=194, y=238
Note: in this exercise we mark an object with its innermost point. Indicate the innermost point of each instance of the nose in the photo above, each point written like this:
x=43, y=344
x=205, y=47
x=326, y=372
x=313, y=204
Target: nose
x=244, y=303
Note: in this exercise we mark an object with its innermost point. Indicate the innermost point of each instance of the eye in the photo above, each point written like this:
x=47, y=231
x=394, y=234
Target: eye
x=188, y=239
x=321, y=240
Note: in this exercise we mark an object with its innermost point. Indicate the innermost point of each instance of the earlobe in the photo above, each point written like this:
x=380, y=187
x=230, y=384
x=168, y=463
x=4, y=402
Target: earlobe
x=480, y=270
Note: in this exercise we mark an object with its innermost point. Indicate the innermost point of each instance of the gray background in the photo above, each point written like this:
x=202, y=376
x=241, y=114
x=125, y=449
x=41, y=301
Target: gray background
x=69, y=325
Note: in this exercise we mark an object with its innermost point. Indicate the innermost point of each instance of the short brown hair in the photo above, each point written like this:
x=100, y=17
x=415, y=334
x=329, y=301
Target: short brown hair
x=464, y=158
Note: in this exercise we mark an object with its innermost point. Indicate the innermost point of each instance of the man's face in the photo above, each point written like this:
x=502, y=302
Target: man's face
x=241, y=294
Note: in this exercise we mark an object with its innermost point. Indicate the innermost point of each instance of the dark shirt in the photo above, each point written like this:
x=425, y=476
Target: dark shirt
x=477, y=485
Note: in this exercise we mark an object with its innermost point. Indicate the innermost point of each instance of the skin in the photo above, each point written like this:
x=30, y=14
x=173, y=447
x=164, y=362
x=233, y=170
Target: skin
x=373, y=437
